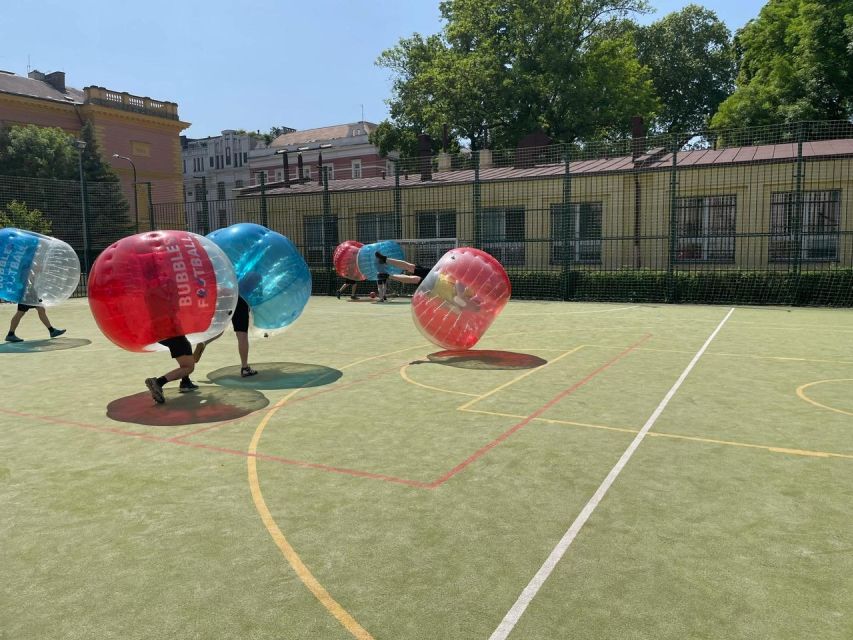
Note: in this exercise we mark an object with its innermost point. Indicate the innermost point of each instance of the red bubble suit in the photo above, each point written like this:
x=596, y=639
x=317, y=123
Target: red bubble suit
x=345, y=260
x=460, y=298
x=157, y=285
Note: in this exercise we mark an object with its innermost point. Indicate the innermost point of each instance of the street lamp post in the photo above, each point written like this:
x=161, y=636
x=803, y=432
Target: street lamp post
x=80, y=145
x=135, y=195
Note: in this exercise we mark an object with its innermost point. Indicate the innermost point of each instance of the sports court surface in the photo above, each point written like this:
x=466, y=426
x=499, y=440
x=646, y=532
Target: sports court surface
x=590, y=471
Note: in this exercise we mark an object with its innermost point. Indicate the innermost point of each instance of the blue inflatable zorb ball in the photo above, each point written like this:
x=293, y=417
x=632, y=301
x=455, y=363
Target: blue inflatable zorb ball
x=35, y=269
x=368, y=264
x=273, y=277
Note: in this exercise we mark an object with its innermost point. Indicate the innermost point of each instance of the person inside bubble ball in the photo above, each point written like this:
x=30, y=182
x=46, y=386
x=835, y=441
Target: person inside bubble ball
x=414, y=272
x=181, y=350
x=240, y=324
x=16, y=319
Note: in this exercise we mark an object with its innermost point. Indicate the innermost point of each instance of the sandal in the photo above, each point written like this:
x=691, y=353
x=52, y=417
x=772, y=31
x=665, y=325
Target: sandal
x=245, y=372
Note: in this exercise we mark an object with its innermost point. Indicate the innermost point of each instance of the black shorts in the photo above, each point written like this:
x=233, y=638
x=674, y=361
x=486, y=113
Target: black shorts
x=421, y=272
x=25, y=307
x=240, y=319
x=382, y=278
x=178, y=346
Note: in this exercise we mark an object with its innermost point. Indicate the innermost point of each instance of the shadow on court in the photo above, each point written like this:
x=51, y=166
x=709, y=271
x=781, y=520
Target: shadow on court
x=48, y=344
x=209, y=404
x=485, y=359
x=276, y=375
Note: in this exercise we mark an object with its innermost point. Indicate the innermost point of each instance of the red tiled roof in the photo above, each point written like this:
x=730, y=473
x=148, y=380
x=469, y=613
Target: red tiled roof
x=321, y=134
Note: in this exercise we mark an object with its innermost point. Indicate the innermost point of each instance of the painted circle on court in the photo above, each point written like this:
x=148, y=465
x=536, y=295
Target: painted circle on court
x=843, y=386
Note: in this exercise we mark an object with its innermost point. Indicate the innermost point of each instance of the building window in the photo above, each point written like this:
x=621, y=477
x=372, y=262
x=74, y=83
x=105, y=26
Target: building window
x=220, y=191
x=502, y=234
x=431, y=225
x=356, y=132
x=582, y=229
x=185, y=165
x=705, y=228
x=306, y=171
x=356, y=168
x=245, y=157
x=238, y=184
x=372, y=227
x=809, y=232
x=389, y=168
x=279, y=175
x=211, y=161
x=321, y=238
x=330, y=170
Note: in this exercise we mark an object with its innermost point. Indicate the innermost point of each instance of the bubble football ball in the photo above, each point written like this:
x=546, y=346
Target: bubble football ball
x=345, y=260
x=370, y=266
x=274, y=277
x=161, y=284
x=35, y=269
x=460, y=298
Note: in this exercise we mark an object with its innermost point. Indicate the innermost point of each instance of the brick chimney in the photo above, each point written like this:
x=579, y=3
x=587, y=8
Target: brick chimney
x=56, y=80
x=35, y=74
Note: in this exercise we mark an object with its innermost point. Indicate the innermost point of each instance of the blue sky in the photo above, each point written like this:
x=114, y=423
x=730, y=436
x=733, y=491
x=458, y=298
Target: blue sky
x=232, y=65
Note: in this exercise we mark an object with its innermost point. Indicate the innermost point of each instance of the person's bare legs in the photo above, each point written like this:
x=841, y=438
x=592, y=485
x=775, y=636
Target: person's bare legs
x=186, y=365
x=43, y=317
x=402, y=277
x=400, y=264
x=243, y=348
x=16, y=320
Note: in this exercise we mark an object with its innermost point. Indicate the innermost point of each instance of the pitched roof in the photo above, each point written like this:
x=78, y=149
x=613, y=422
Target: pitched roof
x=30, y=87
x=321, y=134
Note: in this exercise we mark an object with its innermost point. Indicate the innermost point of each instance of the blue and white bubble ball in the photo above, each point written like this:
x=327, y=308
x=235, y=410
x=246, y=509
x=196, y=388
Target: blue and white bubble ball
x=272, y=275
x=36, y=269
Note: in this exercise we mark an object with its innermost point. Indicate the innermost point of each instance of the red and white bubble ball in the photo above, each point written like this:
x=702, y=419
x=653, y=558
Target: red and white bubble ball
x=345, y=259
x=459, y=299
x=162, y=284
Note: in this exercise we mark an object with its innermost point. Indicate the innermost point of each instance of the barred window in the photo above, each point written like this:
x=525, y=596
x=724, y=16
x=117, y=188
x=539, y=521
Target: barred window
x=582, y=229
x=705, y=228
x=435, y=224
x=321, y=238
x=809, y=232
x=502, y=234
x=373, y=227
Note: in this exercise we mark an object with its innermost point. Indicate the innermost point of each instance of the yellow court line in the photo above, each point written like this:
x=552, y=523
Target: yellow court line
x=720, y=353
x=304, y=574
x=550, y=420
x=516, y=379
x=797, y=452
x=403, y=374
x=801, y=392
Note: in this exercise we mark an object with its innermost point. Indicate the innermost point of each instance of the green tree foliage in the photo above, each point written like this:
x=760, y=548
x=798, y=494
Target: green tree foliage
x=16, y=214
x=691, y=59
x=37, y=152
x=503, y=68
x=794, y=64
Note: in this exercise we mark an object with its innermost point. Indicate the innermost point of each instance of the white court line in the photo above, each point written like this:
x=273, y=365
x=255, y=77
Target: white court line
x=570, y=313
x=511, y=618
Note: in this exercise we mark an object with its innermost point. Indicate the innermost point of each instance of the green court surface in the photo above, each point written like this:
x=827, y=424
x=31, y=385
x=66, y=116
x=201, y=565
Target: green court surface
x=563, y=480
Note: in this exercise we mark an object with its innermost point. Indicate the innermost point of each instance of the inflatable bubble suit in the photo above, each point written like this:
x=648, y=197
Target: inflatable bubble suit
x=460, y=298
x=345, y=260
x=274, y=278
x=161, y=284
x=370, y=266
x=35, y=269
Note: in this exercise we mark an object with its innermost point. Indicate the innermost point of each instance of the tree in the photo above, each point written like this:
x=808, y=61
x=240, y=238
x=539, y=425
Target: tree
x=37, y=152
x=503, y=68
x=690, y=56
x=16, y=214
x=794, y=64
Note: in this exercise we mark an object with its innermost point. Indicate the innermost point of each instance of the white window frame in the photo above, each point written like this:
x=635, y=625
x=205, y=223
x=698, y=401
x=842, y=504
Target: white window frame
x=583, y=250
x=813, y=243
x=709, y=244
x=355, y=169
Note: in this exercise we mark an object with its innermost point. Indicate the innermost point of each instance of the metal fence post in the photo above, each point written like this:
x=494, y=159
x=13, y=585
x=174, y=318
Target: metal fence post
x=673, y=222
x=477, y=203
x=327, y=219
x=797, y=222
x=150, y=208
x=566, y=226
x=264, y=221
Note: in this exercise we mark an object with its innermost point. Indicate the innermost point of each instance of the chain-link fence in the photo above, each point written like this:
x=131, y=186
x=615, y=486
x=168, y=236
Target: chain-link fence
x=758, y=215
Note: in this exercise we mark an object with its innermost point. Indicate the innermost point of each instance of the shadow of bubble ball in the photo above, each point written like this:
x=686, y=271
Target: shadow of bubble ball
x=209, y=404
x=484, y=359
x=276, y=375
x=37, y=346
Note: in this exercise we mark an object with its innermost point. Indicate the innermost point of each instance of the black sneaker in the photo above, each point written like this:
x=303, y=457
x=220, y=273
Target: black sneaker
x=156, y=390
x=382, y=259
x=56, y=332
x=187, y=385
x=245, y=372
x=13, y=338
x=338, y=294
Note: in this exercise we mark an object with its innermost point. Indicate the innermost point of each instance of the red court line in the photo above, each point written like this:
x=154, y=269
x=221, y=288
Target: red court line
x=506, y=434
x=341, y=470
